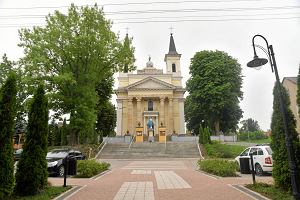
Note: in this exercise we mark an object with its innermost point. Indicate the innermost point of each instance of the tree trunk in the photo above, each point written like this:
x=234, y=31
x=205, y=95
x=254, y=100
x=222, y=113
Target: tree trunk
x=217, y=127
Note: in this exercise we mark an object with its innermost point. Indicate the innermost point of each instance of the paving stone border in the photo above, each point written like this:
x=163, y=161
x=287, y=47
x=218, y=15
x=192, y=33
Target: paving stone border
x=249, y=192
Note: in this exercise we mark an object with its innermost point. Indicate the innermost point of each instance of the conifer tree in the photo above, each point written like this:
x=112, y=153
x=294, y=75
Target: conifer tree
x=281, y=171
x=32, y=174
x=7, y=115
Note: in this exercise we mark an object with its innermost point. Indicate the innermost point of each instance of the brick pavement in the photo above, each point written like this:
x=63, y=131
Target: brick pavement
x=157, y=179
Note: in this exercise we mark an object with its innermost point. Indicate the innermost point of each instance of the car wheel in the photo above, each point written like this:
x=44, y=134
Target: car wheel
x=258, y=170
x=61, y=171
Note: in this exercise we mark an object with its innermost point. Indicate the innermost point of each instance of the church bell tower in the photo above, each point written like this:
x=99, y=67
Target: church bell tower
x=172, y=59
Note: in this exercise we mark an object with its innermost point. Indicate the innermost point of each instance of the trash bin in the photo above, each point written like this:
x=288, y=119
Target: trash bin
x=244, y=165
x=72, y=170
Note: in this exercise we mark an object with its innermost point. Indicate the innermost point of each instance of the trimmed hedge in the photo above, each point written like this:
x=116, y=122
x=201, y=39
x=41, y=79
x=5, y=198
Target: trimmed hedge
x=223, y=168
x=89, y=168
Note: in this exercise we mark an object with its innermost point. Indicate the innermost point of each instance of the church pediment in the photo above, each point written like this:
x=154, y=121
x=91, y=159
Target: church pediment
x=150, y=83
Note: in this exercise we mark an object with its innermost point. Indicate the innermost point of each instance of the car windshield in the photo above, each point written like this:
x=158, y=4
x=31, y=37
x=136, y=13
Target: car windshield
x=269, y=150
x=57, y=154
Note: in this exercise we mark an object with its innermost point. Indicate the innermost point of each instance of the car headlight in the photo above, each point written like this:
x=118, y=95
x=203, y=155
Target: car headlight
x=52, y=164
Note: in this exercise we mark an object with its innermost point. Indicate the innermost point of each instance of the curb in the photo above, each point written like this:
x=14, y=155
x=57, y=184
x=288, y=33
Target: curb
x=249, y=192
x=67, y=193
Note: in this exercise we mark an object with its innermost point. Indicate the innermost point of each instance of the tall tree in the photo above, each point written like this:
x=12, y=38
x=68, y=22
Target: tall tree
x=249, y=125
x=106, y=114
x=7, y=121
x=6, y=67
x=32, y=175
x=214, y=91
x=72, y=52
x=281, y=171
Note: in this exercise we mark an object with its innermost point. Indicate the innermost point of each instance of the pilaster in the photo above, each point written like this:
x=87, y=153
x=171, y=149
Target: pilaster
x=171, y=120
x=119, y=116
x=130, y=115
x=162, y=111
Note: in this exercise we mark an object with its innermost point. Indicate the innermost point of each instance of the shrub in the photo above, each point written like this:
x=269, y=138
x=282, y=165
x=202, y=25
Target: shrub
x=204, y=135
x=89, y=168
x=224, y=168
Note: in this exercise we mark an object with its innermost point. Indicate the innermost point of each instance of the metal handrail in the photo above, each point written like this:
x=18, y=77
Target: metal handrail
x=105, y=142
x=102, y=142
x=131, y=142
x=199, y=149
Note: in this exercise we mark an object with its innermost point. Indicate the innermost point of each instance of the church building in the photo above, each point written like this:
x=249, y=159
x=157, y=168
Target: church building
x=150, y=95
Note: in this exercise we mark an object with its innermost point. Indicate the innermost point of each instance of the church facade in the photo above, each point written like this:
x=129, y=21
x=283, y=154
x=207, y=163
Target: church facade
x=150, y=98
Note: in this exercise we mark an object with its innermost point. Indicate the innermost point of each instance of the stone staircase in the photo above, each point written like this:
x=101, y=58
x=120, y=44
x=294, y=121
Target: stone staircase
x=150, y=150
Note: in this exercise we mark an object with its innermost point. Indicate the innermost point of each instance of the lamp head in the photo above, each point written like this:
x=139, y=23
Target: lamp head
x=257, y=62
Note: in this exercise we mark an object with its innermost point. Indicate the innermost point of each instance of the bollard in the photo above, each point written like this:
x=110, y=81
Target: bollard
x=66, y=161
x=252, y=167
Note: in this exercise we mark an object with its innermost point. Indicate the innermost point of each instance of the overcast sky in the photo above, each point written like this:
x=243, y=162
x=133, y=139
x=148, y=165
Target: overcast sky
x=226, y=25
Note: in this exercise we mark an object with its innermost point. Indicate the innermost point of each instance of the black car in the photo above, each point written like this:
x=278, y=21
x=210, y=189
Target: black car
x=57, y=157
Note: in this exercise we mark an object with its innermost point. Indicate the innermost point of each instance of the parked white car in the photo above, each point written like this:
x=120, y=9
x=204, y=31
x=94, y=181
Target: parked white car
x=262, y=158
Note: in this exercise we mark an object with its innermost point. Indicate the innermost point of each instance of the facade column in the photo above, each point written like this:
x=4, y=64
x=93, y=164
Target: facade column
x=138, y=111
x=119, y=116
x=130, y=117
x=181, y=116
x=162, y=111
x=171, y=123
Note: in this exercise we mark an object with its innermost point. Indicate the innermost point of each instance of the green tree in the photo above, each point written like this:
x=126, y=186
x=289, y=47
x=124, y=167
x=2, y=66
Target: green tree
x=281, y=172
x=249, y=125
x=106, y=112
x=72, y=53
x=214, y=91
x=7, y=121
x=6, y=67
x=31, y=176
x=107, y=118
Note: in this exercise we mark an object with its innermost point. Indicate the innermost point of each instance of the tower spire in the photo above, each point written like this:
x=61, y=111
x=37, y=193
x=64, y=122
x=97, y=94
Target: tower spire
x=172, y=48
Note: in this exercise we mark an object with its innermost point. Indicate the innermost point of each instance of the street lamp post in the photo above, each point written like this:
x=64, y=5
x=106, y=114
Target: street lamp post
x=256, y=62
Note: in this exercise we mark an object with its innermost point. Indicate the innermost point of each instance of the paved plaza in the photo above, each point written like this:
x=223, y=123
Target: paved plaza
x=157, y=180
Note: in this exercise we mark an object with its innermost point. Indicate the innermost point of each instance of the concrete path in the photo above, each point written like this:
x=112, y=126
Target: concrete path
x=157, y=180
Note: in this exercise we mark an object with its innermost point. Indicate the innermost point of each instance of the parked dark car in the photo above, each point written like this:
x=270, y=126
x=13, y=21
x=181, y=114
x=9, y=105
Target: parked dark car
x=57, y=157
x=17, y=154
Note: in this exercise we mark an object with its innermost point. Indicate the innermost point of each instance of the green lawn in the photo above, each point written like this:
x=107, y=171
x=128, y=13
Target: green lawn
x=50, y=193
x=270, y=191
x=217, y=150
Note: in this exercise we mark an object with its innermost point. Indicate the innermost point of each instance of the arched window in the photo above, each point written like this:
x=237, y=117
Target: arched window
x=173, y=67
x=150, y=105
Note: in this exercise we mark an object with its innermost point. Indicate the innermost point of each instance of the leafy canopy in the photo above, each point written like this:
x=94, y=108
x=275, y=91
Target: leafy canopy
x=215, y=91
x=72, y=53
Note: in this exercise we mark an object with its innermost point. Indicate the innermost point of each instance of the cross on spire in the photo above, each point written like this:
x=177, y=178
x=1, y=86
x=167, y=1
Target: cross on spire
x=171, y=30
x=127, y=30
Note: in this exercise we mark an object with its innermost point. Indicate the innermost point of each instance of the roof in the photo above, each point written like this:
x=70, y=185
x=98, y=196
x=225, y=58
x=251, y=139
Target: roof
x=292, y=79
x=172, y=48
